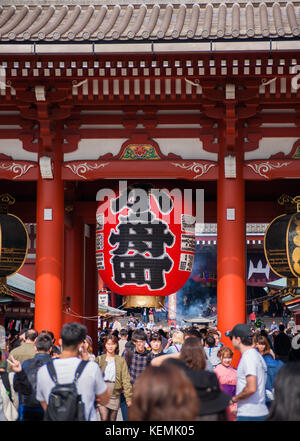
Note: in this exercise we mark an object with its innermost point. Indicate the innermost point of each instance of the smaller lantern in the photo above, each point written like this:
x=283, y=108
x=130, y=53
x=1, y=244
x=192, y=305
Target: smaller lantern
x=282, y=246
x=13, y=243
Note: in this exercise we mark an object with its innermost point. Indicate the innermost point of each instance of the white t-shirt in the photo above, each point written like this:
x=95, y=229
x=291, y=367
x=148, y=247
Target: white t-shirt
x=89, y=384
x=110, y=371
x=252, y=363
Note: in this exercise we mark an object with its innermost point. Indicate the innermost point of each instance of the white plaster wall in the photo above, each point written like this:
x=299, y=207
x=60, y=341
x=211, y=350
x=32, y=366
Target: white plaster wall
x=187, y=148
x=91, y=149
x=14, y=149
x=270, y=146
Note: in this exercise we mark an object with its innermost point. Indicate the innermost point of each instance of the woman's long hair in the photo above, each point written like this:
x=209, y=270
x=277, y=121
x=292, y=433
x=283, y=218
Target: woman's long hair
x=192, y=354
x=286, y=404
x=163, y=393
x=261, y=339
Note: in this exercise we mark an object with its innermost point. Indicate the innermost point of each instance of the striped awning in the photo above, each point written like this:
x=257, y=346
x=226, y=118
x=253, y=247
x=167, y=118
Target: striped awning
x=110, y=20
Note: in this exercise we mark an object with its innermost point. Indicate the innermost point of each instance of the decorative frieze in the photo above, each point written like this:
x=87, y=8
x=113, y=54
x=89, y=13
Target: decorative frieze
x=81, y=169
x=264, y=168
x=197, y=168
x=14, y=170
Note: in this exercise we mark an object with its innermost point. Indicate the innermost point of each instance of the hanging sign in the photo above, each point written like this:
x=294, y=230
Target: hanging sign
x=145, y=240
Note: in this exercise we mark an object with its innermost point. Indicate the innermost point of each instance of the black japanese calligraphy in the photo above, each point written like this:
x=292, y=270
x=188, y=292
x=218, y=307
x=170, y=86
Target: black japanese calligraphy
x=140, y=270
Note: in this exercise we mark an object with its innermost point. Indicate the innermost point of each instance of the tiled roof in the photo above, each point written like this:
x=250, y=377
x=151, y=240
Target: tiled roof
x=87, y=20
x=22, y=283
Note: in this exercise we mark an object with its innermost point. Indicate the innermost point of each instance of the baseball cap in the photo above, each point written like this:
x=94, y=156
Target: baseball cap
x=240, y=330
x=212, y=398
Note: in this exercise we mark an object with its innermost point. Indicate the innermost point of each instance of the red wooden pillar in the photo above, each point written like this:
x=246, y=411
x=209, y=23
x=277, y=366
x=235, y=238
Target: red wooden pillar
x=91, y=286
x=74, y=272
x=113, y=300
x=49, y=250
x=231, y=252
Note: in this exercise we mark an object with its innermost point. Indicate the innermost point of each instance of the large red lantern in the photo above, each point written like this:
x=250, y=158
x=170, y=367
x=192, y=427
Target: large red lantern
x=145, y=240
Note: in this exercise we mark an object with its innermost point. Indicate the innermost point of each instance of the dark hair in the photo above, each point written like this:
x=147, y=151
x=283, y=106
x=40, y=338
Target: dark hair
x=31, y=334
x=247, y=341
x=138, y=334
x=155, y=336
x=192, y=354
x=130, y=332
x=163, y=393
x=210, y=340
x=286, y=404
x=23, y=331
x=43, y=343
x=72, y=334
x=281, y=327
x=49, y=333
x=115, y=332
x=264, y=333
x=123, y=333
x=114, y=339
x=192, y=332
x=162, y=333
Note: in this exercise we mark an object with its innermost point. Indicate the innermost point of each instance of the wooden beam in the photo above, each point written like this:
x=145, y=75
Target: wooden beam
x=268, y=169
x=192, y=170
x=256, y=211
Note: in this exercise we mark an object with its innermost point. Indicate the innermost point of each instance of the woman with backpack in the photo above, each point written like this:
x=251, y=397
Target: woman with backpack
x=116, y=376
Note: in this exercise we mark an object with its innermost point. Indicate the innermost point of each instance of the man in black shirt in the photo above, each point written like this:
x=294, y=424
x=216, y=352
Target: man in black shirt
x=282, y=345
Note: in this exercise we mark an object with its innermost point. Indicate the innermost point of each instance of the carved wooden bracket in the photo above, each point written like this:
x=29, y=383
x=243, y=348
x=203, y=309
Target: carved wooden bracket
x=45, y=106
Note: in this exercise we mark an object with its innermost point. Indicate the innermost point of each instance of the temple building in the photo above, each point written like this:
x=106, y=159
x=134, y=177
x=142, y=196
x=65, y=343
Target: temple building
x=202, y=94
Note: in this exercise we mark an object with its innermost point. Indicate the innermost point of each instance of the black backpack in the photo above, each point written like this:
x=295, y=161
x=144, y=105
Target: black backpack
x=31, y=372
x=65, y=403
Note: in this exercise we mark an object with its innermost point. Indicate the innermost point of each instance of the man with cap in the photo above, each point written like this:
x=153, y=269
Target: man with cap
x=251, y=377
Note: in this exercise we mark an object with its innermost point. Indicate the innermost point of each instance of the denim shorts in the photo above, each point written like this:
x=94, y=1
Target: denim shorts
x=251, y=418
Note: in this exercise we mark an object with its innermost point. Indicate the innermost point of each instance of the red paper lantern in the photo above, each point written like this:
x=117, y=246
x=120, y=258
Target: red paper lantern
x=145, y=240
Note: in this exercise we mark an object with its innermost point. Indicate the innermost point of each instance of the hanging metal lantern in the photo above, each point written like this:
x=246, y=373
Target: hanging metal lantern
x=282, y=245
x=13, y=243
x=282, y=249
x=144, y=243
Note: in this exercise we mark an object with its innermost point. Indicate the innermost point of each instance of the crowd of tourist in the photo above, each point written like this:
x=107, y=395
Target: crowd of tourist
x=151, y=373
